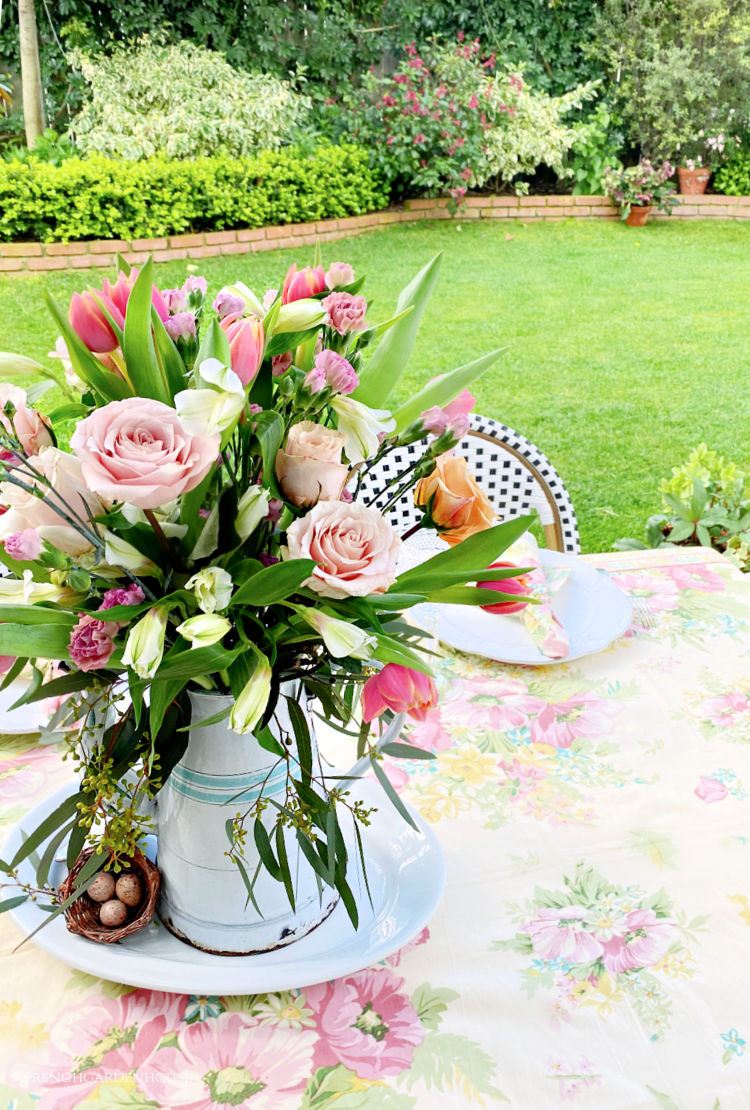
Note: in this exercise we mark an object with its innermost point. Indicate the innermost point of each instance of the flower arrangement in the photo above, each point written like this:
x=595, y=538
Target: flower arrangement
x=636, y=186
x=207, y=530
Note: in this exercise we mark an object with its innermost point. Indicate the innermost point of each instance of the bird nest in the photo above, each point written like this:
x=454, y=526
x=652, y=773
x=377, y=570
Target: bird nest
x=82, y=915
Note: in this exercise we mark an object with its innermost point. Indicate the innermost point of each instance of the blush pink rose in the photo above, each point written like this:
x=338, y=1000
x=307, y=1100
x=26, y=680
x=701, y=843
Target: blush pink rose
x=346, y=312
x=140, y=452
x=92, y=642
x=710, y=790
x=366, y=1023
x=25, y=510
x=399, y=689
x=309, y=468
x=355, y=548
x=29, y=427
x=563, y=932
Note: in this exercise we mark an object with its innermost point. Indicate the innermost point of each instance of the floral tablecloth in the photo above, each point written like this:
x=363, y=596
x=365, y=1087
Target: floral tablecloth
x=593, y=945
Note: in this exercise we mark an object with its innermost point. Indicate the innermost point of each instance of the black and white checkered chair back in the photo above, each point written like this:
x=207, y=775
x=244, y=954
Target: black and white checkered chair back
x=514, y=474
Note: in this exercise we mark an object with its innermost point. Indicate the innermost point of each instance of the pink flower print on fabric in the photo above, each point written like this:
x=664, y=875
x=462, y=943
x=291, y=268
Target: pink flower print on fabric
x=702, y=578
x=492, y=705
x=563, y=933
x=660, y=590
x=366, y=1023
x=725, y=710
x=430, y=734
x=420, y=939
x=710, y=790
x=232, y=1060
x=562, y=722
x=24, y=775
x=645, y=940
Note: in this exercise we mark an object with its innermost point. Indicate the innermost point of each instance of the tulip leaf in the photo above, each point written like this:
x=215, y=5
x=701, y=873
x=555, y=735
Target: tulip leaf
x=274, y=583
x=472, y=595
x=109, y=386
x=194, y=662
x=147, y=375
x=168, y=355
x=481, y=549
x=380, y=377
x=282, y=342
x=269, y=431
x=214, y=345
x=35, y=641
x=36, y=614
x=389, y=650
x=444, y=388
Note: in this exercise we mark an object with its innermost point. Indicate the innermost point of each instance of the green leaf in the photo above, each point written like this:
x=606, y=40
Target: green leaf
x=214, y=345
x=274, y=583
x=431, y=1004
x=399, y=750
x=472, y=595
x=302, y=736
x=48, y=857
x=444, y=388
x=389, y=650
x=83, y=881
x=109, y=386
x=682, y=530
x=67, y=808
x=194, y=662
x=445, y=1061
x=380, y=377
x=168, y=356
x=665, y=1101
x=148, y=377
x=11, y=903
x=265, y=851
x=286, y=875
x=382, y=778
x=478, y=550
x=163, y=693
x=269, y=432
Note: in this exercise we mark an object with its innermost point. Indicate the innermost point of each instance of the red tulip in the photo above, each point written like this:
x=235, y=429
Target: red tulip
x=400, y=689
x=506, y=586
x=300, y=284
x=246, y=344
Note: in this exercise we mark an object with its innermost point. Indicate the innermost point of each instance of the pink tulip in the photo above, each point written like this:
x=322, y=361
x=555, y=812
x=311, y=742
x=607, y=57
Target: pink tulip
x=119, y=294
x=506, y=586
x=246, y=343
x=300, y=284
x=400, y=689
x=91, y=325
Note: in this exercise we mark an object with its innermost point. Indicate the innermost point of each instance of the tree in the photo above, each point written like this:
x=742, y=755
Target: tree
x=31, y=76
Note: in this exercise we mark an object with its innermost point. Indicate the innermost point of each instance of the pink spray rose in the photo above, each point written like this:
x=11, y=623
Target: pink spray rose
x=453, y=417
x=338, y=372
x=92, y=642
x=25, y=546
x=346, y=312
x=355, y=548
x=366, y=1022
x=228, y=303
x=400, y=689
x=710, y=790
x=338, y=274
x=25, y=510
x=29, y=426
x=246, y=344
x=139, y=451
x=309, y=468
x=300, y=284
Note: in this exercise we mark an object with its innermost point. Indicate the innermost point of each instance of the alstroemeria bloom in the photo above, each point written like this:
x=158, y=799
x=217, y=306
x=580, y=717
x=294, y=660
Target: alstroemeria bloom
x=340, y=637
x=212, y=587
x=145, y=644
x=246, y=344
x=399, y=689
x=302, y=283
x=204, y=629
x=252, y=701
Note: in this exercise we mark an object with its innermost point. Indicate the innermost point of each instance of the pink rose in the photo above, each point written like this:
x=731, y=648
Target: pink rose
x=399, y=689
x=338, y=274
x=453, y=417
x=309, y=468
x=246, y=345
x=355, y=548
x=25, y=510
x=29, y=426
x=139, y=451
x=92, y=642
x=346, y=312
x=25, y=546
x=300, y=284
x=338, y=373
x=710, y=790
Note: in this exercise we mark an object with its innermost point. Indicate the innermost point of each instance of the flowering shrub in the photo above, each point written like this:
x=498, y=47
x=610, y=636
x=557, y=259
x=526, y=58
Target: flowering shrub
x=639, y=185
x=180, y=100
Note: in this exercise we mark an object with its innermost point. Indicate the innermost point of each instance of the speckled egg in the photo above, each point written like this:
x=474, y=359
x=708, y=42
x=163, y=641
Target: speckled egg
x=102, y=888
x=113, y=913
x=128, y=889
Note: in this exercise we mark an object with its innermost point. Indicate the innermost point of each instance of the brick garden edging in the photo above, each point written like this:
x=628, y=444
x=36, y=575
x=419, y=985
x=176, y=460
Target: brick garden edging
x=24, y=257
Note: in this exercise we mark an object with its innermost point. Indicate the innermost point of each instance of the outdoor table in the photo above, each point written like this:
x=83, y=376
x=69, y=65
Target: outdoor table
x=592, y=946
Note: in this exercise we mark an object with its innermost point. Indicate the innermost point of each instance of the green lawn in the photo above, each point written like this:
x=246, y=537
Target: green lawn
x=625, y=347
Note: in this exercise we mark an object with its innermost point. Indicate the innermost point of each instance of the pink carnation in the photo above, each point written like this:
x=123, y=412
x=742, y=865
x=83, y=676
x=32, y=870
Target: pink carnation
x=25, y=545
x=122, y=595
x=92, y=642
x=281, y=363
x=452, y=418
x=338, y=372
x=180, y=326
x=346, y=312
x=174, y=299
x=339, y=273
x=228, y=304
x=195, y=283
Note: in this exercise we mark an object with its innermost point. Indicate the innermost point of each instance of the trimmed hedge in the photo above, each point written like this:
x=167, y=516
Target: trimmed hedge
x=100, y=198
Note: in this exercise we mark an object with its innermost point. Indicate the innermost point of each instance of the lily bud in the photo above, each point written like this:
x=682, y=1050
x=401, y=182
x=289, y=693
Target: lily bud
x=204, y=629
x=340, y=637
x=299, y=316
x=145, y=644
x=250, y=705
x=252, y=509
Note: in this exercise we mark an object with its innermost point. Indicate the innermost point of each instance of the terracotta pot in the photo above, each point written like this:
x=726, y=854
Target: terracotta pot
x=693, y=182
x=638, y=215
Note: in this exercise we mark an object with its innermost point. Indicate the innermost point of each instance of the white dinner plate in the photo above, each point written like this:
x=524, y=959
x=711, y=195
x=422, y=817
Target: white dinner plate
x=405, y=871
x=590, y=607
x=27, y=718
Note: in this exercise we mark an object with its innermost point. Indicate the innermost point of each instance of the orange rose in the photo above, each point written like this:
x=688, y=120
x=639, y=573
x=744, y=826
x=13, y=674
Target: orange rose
x=459, y=508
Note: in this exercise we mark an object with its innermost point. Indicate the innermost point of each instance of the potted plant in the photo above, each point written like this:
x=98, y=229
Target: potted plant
x=699, y=157
x=636, y=189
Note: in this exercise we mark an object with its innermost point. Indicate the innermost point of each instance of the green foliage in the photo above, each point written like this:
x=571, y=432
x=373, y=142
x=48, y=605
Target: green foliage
x=180, y=100
x=100, y=198
x=733, y=178
x=598, y=143
x=677, y=68
x=49, y=147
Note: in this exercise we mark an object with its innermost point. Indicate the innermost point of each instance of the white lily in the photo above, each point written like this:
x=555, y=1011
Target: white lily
x=361, y=425
x=212, y=587
x=119, y=553
x=250, y=705
x=204, y=629
x=16, y=591
x=252, y=304
x=145, y=644
x=251, y=510
x=340, y=637
x=299, y=315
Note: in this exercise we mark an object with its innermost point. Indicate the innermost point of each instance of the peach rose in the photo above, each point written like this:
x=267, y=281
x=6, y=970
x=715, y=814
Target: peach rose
x=458, y=507
x=25, y=510
x=140, y=452
x=354, y=546
x=29, y=426
x=309, y=468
